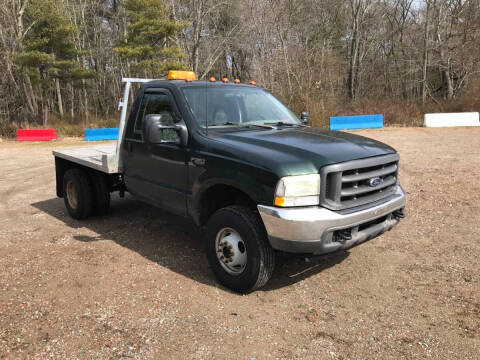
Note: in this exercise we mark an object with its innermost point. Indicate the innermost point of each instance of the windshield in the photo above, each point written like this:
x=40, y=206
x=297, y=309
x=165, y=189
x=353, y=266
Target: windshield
x=229, y=106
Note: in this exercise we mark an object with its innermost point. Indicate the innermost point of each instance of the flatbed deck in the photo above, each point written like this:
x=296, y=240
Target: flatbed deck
x=98, y=157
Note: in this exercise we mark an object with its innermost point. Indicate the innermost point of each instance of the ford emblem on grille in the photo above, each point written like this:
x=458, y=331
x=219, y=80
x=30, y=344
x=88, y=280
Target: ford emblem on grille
x=375, y=181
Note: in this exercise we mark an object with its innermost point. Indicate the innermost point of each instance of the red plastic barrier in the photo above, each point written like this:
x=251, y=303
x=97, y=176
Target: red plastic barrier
x=36, y=135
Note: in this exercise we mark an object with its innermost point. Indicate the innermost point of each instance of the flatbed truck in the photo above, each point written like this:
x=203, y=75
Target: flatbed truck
x=254, y=178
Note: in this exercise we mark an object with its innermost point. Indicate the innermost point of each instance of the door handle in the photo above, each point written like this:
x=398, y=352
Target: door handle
x=198, y=161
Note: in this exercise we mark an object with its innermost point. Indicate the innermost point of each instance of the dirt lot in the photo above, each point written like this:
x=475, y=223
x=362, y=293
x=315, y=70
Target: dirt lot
x=135, y=284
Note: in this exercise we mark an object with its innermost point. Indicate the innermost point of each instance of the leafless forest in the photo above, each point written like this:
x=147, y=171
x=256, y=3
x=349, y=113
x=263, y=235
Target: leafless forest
x=62, y=60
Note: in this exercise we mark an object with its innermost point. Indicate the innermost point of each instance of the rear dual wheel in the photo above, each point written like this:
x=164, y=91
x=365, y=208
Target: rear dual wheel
x=238, y=250
x=85, y=194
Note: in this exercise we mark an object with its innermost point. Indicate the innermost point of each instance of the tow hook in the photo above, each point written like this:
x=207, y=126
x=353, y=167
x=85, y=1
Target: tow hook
x=398, y=214
x=343, y=235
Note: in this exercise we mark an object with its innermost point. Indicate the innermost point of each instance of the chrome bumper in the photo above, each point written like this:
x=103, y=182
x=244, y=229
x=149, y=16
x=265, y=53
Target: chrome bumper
x=313, y=229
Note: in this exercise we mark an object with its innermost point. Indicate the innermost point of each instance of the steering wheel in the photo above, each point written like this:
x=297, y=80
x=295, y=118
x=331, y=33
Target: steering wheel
x=219, y=116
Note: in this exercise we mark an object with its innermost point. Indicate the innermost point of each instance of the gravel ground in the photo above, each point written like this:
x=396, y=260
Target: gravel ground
x=135, y=284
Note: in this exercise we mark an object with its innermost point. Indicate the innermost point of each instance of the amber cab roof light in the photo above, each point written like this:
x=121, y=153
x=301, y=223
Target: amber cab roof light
x=252, y=83
x=236, y=81
x=225, y=80
x=181, y=75
x=212, y=79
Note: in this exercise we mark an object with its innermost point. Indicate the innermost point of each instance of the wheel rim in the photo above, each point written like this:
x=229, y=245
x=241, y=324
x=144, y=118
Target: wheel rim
x=72, y=195
x=231, y=251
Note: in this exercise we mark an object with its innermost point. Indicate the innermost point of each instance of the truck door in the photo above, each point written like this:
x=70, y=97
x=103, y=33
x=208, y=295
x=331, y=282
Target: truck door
x=155, y=173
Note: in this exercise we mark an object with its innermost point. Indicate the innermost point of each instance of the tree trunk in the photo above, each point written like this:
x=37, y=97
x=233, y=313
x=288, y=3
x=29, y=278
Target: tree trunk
x=425, y=55
x=59, y=97
x=72, y=102
x=85, y=103
x=287, y=67
x=45, y=115
x=448, y=84
x=197, y=32
x=355, y=8
x=29, y=96
x=353, y=65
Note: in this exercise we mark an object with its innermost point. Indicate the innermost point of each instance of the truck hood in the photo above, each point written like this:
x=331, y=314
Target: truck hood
x=299, y=150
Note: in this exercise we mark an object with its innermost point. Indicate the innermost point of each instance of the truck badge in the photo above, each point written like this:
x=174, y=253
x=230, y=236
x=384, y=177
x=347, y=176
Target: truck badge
x=375, y=181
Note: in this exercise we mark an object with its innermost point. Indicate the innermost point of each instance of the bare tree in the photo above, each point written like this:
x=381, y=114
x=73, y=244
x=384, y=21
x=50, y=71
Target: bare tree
x=317, y=55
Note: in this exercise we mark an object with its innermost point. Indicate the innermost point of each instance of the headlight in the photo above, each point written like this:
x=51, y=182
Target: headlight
x=301, y=190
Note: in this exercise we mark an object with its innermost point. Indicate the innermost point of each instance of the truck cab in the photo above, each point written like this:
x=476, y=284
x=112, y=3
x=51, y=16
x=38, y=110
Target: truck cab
x=256, y=179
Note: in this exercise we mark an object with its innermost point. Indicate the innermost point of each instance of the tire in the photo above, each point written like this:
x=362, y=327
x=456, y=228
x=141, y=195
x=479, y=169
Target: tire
x=229, y=230
x=77, y=193
x=101, y=193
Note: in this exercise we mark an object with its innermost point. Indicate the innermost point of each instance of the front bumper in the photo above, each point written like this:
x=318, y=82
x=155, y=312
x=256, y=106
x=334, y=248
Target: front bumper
x=315, y=230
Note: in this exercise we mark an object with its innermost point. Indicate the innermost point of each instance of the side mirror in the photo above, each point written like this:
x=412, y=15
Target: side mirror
x=156, y=132
x=305, y=118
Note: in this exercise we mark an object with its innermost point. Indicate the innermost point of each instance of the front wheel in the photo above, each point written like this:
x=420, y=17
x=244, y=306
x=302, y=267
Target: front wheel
x=238, y=250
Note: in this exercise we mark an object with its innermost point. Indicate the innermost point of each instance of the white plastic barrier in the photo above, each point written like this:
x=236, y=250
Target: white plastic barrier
x=451, y=119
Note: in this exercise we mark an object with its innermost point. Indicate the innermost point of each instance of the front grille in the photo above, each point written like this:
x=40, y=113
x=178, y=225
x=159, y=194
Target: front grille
x=350, y=184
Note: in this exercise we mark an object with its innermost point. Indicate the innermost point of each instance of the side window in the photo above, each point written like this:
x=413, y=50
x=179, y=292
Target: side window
x=154, y=104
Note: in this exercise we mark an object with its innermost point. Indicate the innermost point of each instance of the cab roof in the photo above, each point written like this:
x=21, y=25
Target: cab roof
x=195, y=83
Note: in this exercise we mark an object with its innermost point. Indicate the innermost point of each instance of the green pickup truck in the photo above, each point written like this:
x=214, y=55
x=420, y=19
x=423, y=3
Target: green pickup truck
x=254, y=177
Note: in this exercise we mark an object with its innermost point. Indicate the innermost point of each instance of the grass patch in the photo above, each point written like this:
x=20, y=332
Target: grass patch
x=63, y=127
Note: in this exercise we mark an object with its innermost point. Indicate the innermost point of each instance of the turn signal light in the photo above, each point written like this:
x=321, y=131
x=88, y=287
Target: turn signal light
x=181, y=75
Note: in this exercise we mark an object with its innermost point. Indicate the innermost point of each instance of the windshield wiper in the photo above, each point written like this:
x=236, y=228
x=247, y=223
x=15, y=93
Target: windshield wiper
x=264, y=126
x=281, y=123
x=240, y=125
x=226, y=123
x=229, y=123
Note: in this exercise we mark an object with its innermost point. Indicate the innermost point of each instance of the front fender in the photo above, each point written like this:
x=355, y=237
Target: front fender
x=257, y=183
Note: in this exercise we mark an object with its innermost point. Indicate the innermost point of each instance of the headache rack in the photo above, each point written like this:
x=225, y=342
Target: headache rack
x=359, y=182
x=104, y=158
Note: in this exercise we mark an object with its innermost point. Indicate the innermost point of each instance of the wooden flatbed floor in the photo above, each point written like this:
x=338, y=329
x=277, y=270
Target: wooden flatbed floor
x=98, y=157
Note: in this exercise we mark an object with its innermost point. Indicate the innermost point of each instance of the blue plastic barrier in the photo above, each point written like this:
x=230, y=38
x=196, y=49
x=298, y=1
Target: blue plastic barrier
x=356, y=122
x=101, y=134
